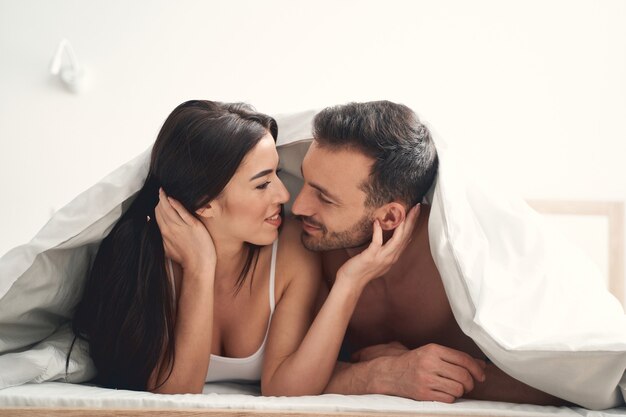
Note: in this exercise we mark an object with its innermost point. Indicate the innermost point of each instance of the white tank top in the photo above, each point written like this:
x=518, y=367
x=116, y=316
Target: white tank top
x=222, y=368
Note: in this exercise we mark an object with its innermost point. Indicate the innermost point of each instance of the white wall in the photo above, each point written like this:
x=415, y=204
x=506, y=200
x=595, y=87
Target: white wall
x=533, y=93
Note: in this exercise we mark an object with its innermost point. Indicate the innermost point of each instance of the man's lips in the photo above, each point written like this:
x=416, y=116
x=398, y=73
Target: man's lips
x=308, y=227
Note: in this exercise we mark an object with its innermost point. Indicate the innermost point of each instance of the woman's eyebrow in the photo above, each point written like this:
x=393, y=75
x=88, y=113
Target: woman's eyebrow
x=264, y=172
x=261, y=174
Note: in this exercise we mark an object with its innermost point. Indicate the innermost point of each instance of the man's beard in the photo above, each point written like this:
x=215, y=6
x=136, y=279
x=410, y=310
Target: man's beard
x=358, y=235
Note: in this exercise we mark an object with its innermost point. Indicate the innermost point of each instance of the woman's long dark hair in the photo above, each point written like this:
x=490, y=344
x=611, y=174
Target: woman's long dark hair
x=126, y=313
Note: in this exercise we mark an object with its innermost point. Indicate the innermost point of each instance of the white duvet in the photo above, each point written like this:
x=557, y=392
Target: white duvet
x=533, y=303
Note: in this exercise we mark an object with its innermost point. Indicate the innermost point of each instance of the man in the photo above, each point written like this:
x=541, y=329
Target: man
x=373, y=161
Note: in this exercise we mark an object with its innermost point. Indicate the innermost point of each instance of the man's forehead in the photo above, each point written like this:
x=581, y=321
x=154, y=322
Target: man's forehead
x=336, y=167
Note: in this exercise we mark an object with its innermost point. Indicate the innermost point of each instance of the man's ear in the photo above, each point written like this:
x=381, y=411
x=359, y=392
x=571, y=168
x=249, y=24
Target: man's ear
x=207, y=211
x=390, y=215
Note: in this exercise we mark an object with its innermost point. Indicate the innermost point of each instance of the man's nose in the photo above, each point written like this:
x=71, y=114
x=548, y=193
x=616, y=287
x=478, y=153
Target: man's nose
x=300, y=206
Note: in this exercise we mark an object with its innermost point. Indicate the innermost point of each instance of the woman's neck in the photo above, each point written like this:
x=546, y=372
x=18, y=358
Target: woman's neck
x=231, y=257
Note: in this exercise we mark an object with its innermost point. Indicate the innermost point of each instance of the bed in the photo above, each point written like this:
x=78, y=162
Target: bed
x=62, y=399
x=35, y=334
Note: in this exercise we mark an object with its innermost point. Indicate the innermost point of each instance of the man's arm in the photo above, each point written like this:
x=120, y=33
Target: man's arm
x=499, y=386
x=429, y=373
x=378, y=373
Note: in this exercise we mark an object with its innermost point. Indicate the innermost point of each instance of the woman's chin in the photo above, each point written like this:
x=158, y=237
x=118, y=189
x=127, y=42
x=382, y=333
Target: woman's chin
x=264, y=239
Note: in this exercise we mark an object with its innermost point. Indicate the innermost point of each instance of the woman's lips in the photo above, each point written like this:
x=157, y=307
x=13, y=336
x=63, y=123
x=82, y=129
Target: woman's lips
x=275, y=220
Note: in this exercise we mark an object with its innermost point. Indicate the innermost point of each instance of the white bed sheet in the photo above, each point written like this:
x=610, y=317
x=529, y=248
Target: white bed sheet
x=246, y=397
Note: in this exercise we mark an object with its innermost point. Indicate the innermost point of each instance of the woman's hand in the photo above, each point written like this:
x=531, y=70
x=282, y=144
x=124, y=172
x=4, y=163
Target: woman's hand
x=185, y=238
x=377, y=259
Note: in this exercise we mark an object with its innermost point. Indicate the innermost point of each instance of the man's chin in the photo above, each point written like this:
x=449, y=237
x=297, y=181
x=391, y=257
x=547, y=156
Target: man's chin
x=315, y=244
x=310, y=242
x=322, y=245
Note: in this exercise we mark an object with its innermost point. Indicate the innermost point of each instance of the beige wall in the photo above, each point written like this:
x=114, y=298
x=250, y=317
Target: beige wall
x=533, y=93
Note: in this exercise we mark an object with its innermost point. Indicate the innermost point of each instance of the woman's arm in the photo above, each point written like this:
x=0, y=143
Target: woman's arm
x=300, y=361
x=193, y=332
x=188, y=243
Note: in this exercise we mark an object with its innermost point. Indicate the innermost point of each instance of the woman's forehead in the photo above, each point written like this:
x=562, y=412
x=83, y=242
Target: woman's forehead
x=263, y=156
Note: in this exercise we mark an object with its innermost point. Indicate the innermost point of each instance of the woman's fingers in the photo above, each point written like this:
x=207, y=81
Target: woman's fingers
x=377, y=238
x=181, y=211
x=169, y=213
x=158, y=214
x=402, y=233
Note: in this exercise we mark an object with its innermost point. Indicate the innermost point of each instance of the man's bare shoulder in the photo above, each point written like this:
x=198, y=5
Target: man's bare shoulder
x=293, y=258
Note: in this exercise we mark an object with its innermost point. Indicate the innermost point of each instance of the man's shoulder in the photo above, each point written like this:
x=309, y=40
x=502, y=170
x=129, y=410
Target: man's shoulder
x=291, y=252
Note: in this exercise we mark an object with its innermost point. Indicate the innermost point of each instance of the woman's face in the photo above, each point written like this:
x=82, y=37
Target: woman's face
x=248, y=210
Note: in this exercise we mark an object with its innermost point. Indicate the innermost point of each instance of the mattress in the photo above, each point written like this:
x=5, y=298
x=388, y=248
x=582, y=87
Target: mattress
x=245, y=399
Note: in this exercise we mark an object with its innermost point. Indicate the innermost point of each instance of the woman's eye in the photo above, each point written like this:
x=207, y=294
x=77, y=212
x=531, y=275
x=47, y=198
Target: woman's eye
x=263, y=186
x=279, y=170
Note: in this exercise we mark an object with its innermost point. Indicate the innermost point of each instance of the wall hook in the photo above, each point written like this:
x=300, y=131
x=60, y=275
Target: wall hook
x=73, y=74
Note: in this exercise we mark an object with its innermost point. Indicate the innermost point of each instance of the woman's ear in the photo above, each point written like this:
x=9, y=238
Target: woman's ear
x=390, y=215
x=206, y=212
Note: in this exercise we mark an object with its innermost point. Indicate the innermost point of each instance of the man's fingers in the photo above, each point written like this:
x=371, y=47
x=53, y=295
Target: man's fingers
x=464, y=360
x=442, y=397
x=458, y=375
x=448, y=386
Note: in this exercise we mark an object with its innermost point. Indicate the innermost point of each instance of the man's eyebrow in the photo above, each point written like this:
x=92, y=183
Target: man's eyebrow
x=321, y=189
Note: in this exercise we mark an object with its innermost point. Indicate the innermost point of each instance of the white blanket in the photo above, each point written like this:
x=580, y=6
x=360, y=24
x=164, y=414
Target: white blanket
x=531, y=302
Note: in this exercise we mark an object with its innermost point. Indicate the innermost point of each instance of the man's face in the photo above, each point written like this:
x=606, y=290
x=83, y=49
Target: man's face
x=331, y=202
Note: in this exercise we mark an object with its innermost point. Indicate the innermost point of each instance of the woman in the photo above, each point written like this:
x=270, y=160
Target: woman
x=191, y=282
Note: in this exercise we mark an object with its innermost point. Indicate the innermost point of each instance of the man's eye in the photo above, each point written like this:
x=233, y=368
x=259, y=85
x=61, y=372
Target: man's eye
x=323, y=200
x=263, y=186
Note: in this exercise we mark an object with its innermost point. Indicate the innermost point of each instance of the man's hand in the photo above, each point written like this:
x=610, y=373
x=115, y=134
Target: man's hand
x=378, y=258
x=429, y=373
